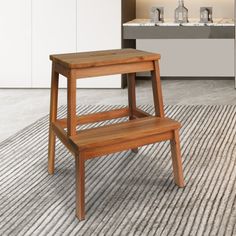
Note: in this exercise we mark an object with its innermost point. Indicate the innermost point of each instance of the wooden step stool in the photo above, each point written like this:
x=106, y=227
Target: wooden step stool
x=140, y=130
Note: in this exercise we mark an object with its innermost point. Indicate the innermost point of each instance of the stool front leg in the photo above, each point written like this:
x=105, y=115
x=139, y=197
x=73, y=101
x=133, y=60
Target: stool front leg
x=176, y=160
x=80, y=186
x=53, y=117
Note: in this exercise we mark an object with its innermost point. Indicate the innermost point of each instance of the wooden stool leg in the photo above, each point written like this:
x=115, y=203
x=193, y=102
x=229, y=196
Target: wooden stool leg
x=80, y=187
x=53, y=117
x=131, y=98
x=176, y=160
x=71, y=106
x=157, y=91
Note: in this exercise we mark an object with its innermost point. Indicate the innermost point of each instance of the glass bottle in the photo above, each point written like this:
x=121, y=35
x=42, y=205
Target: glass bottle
x=181, y=13
x=157, y=15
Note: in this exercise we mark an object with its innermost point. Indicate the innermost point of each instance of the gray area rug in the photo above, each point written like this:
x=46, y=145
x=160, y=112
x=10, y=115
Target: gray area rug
x=126, y=193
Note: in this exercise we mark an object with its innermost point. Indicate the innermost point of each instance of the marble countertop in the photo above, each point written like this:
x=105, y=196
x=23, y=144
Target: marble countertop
x=192, y=22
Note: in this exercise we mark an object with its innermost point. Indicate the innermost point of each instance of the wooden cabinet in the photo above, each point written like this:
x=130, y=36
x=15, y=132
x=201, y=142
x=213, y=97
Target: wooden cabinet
x=204, y=52
x=15, y=47
x=193, y=58
x=53, y=31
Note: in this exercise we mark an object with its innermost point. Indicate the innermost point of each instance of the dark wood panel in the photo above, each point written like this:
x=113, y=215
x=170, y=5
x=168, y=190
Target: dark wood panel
x=128, y=14
x=128, y=9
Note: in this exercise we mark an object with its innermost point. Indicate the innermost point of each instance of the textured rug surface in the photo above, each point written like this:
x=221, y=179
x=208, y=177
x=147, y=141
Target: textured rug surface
x=126, y=193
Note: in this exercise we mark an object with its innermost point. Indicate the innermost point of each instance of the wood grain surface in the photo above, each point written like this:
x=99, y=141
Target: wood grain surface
x=103, y=58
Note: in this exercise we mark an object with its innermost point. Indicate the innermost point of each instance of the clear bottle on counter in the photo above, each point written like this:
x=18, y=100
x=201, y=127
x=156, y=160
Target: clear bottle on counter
x=181, y=13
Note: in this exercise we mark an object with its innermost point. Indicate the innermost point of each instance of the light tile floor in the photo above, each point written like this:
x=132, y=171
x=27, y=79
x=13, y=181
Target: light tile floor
x=21, y=107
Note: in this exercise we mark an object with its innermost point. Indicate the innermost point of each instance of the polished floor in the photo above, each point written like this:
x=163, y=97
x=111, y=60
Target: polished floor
x=21, y=107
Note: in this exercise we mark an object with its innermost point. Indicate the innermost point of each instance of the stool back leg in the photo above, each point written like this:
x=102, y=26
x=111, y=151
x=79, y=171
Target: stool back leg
x=71, y=106
x=131, y=98
x=176, y=159
x=157, y=91
x=53, y=117
x=131, y=94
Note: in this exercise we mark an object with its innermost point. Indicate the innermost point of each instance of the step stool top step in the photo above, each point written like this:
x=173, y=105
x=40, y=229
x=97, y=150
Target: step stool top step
x=103, y=58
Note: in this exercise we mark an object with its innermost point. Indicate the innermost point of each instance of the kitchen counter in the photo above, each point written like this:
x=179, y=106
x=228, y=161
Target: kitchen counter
x=169, y=22
x=145, y=29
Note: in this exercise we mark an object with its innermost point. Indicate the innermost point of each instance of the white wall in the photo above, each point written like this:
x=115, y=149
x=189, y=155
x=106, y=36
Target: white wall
x=99, y=28
x=221, y=8
x=15, y=47
x=31, y=30
x=51, y=35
